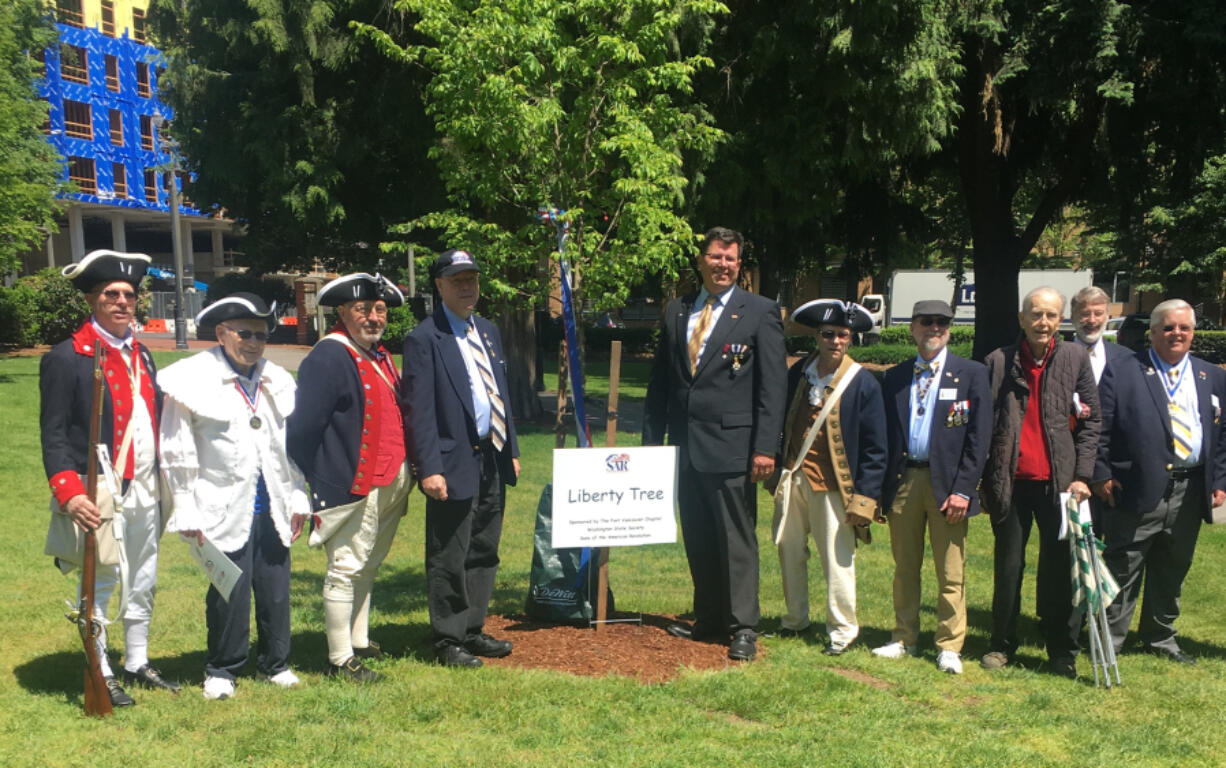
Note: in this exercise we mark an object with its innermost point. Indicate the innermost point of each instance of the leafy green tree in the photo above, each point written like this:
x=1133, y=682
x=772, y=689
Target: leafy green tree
x=822, y=103
x=583, y=105
x=314, y=140
x=29, y=167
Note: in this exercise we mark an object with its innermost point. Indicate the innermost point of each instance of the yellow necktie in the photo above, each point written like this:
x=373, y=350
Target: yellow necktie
x=700, y=332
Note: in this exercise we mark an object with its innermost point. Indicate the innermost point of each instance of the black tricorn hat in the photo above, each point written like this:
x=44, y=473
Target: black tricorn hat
x=360, y=286
x=105, y=266
x=238, y=306
x=834, y=312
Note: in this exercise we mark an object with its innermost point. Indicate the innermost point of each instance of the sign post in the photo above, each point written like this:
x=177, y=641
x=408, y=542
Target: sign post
x=602, y=577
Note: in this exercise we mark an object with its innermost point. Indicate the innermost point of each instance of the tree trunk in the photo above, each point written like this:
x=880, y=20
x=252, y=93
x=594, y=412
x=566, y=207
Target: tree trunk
x=518, y=330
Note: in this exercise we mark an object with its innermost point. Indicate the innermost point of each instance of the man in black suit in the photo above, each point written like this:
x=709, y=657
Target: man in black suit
x=717, y=389
x=461, y=440
x=1161, y=468
x=939, y=417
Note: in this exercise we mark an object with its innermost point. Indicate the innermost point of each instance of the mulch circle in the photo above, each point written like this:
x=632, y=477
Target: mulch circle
x=644, y=651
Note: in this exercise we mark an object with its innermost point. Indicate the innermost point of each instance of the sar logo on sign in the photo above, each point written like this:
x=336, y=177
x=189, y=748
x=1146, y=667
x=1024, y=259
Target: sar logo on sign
x=618, y=462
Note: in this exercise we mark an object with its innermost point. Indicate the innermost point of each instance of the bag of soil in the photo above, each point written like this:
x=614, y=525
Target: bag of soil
x=562, y=586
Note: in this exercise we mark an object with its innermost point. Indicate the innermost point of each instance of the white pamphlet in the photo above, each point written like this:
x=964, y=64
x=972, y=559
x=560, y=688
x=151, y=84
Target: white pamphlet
x=221, y=570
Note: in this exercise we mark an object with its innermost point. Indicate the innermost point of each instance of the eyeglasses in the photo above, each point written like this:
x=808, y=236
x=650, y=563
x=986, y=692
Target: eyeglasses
x=1173, y=328
x=844, y=334
x=247, y=335
x=370, y=309
x=114, y=294
x=939, y=321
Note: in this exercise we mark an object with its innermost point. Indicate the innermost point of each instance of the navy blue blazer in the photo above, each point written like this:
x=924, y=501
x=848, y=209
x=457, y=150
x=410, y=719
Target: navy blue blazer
x=733, y=406
x=956, y=453
x=862, y=419
x=1135, y=447
x=329, y=433
x=440, y=424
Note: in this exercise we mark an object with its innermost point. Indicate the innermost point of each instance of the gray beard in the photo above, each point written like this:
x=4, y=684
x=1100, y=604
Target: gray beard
x=1089, y=340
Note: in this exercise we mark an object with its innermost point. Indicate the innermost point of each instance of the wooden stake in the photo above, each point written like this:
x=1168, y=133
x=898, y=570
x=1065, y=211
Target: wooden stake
x=602, y=578
x=559, y=427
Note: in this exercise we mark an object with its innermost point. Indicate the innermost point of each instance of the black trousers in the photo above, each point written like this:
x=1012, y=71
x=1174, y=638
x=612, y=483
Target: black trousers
x=265, y=563
x=1156, y=547
x=719, y=516
x=1033, y=502
x=462, y=555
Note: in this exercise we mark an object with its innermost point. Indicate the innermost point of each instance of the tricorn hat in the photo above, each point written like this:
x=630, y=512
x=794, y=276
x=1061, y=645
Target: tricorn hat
x=360, y=286
x=834, y=312
x=238, y=306
x=105, y=266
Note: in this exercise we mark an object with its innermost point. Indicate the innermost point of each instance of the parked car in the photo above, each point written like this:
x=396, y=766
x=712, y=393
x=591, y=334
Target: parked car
x=1133, y=331
x=1111, y=332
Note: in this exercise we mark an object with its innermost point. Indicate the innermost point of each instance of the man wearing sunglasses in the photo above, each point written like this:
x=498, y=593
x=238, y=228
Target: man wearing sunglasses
x=224, y=458
x=1161, y=469
x=131, y=405
x=832, y=465
x=1038, y=452
x=939, y=416
x=717, y=390
x=347, y=435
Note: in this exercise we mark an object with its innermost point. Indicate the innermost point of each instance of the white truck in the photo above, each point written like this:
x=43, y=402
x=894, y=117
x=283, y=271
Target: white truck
x=908, y=286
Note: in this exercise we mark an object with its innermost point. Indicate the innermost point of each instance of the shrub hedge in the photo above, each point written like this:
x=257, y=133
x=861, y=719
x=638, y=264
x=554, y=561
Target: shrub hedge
x=43, y=308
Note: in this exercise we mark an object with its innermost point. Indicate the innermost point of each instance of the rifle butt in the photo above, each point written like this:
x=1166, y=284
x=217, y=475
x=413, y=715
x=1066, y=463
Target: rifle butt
x=97, y=698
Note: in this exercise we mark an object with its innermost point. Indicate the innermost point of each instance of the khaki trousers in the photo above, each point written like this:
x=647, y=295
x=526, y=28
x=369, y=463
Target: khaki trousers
x=914, y=510
x=820, y=513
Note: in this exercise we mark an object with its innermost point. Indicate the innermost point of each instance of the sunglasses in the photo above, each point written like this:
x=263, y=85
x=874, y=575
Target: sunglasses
x=828, y=334
x=114, y=294
x=1173, y=328
x=938, y=321
x=247, y=335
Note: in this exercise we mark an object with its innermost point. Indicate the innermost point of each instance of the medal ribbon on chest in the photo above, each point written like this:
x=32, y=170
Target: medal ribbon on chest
x=252, y=402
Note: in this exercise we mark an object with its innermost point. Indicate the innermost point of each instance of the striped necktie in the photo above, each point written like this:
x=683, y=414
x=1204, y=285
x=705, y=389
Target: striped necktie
x=1181, y=424
x=498, y=414
x=700, y=332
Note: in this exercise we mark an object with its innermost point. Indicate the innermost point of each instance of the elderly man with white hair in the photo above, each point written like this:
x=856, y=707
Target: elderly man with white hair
x=1161, y=469
x=1037, y=452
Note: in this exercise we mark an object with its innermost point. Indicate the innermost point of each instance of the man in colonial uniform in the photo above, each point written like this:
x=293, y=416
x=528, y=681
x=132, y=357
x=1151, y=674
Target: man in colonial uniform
x=463, y=446
x=223, y=453
x=347, y=436
x=110, y=282
x=834, y=453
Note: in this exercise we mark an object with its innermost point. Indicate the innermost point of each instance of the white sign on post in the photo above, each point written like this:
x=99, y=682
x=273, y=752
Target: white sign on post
x=614, y=497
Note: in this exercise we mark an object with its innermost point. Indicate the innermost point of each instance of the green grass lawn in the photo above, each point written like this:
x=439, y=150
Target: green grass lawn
x=794, y=707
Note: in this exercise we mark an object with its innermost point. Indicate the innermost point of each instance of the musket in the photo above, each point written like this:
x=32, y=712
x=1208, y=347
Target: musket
x=97, y=698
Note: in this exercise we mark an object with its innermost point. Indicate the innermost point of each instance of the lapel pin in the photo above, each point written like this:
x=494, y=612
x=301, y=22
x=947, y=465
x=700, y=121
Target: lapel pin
x=734, y=317
x=1201, y=374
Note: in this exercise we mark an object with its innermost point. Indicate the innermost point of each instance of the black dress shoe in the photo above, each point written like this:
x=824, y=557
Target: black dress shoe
x=834, y=649
x=786, y=632
x=456, y=656
x=353, y=669
x=1177, y=656
x=1064, y=666
x=697, y=633
x=743, y=647
x=371, y=652
x=119, y=697
x=484, y=645
x=148, y=677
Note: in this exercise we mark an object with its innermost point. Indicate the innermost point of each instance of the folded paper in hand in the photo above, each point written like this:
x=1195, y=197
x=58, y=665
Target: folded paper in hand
x=220, y=569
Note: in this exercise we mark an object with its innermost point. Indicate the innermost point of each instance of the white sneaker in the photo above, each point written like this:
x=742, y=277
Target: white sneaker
x=894, y=650
x=217, y=688
x=285, y=678
x=948, y=661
